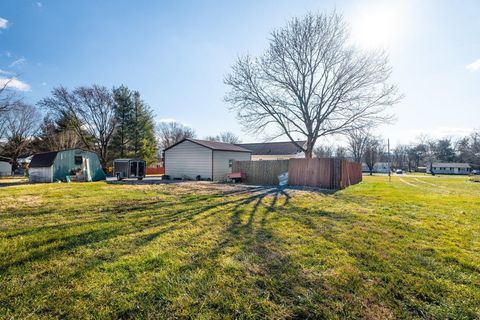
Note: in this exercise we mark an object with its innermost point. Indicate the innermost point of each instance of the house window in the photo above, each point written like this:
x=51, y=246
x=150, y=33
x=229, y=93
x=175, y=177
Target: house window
x=230, y=163
x=78, y=160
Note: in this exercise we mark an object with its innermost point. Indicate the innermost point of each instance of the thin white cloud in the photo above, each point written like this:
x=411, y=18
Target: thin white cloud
x=14, y=83
x=18, y=62
x=39, y=4
x=474, y=66
x=167, y=120
x=5, y=72
x=3, y=23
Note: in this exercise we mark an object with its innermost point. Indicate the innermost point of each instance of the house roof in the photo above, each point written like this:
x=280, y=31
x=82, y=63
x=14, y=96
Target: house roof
x=273, y=148
x=450, y=165
x=44, y=159
x=213, y=145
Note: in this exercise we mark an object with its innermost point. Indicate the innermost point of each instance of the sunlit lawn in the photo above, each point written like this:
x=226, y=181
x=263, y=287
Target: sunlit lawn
x=377, y=250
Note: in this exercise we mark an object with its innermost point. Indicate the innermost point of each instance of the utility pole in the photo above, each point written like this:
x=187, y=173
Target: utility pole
x=389, y=162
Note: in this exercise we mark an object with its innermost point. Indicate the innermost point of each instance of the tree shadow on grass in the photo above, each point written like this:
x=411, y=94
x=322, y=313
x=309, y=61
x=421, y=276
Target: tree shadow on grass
x=277, y=274
x=160, y=223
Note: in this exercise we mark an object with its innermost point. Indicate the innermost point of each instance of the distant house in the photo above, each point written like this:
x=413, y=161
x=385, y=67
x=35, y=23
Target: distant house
x=77, y=164
x=379, y=167
x=274, y=150
x=5, y=167
x=201, y=159
x=450, y=168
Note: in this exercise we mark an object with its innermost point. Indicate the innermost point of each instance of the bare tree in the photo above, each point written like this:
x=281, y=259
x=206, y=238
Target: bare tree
x=56, y=135
x=92, y=110
x=21, y=125
x=311, y=82
x=357, y=142
x=341, y=152
x=169, y=133
x=323, y=151
x=227, y=137
x=8, y=97
x=372, y=153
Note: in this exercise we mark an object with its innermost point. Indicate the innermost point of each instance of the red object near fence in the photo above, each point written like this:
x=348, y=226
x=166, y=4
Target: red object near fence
x=158, y=170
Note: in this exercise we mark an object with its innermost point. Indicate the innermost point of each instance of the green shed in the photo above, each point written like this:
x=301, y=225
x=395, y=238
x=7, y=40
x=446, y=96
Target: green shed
x=70, y=164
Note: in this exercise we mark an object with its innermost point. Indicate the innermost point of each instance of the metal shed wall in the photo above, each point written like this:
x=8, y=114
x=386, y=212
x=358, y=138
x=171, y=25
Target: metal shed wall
x=39, y=175
x=189, y=160
x=221, y=161
x=65, y=162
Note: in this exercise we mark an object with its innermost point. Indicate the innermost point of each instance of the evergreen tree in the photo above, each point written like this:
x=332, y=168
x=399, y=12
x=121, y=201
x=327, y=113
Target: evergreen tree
x=135, y=132
x=144, y=144
x=124, y=114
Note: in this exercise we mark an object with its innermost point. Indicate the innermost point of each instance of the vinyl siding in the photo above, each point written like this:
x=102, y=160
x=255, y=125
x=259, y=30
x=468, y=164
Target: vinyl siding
x=5, y=168
x=451, y=170
x=40, y=174
x=221, y=163
x=189, y=160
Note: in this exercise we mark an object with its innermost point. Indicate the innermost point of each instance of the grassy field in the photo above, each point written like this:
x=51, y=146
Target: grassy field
x=377, y=250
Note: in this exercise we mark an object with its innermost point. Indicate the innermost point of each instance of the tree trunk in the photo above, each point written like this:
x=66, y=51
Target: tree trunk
x=308, y=153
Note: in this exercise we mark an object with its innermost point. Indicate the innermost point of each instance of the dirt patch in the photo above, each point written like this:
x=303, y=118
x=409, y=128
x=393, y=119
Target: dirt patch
x=183, y=187
x=27, y=201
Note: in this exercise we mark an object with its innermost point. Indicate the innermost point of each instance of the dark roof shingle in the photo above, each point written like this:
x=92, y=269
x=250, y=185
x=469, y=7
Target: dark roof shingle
x=41, y=160
x=273, y=148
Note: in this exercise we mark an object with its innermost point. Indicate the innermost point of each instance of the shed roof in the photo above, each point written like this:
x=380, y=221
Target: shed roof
x=213, y=145
x=273, y=148
x=44, y=159
x=451, y=165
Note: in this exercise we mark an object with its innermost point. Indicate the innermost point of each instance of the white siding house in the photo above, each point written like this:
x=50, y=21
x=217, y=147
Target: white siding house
x=193, y=158
x=450, y=168
x=5, y=168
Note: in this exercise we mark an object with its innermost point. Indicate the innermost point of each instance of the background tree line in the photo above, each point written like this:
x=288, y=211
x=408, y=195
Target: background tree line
x=114, y=123
x=363, y=146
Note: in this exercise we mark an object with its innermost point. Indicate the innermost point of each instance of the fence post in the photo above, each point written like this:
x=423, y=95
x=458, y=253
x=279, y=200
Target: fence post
x=337, y=173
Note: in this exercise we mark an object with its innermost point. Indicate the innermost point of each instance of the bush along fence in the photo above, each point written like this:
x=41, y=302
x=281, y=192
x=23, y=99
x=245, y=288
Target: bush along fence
x=327, y=173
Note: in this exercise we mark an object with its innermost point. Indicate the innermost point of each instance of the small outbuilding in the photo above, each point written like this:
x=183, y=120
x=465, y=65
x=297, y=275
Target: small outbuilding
x=200, y=159
x=5, y=167
x=65, y=165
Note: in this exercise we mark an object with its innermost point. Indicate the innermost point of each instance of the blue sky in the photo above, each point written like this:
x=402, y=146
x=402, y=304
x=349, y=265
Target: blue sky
x=177, y=53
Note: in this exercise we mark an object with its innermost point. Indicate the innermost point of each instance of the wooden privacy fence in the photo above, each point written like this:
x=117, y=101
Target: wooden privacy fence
x=314, y=172
x=327, y=173
x=351, y=173
x=261, y=172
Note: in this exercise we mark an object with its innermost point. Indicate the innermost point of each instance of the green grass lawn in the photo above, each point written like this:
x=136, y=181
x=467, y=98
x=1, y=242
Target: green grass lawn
x=377, y=250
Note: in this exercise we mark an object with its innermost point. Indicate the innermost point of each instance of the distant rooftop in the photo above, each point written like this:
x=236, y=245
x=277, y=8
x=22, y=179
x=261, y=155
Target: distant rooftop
x=273, y=148
x=214, y=145
x=451, y=165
